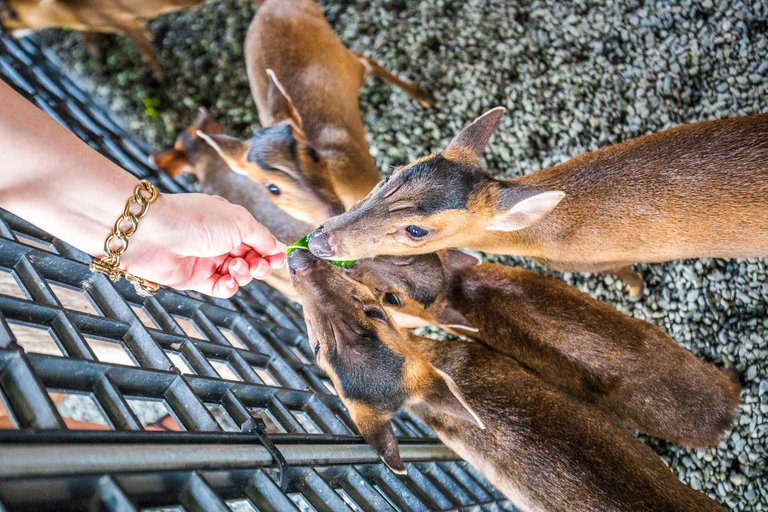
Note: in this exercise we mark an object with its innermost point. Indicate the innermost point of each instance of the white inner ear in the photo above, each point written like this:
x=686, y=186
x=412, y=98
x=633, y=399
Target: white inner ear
x=455, y=390
x=210, y=142
x=230, y=162
x=280, y=87
x=463, y=327
x=527, y=211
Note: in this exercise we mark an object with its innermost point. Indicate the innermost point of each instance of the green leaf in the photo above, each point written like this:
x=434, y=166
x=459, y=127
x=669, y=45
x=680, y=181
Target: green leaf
x=342, y=263
x=302, y=243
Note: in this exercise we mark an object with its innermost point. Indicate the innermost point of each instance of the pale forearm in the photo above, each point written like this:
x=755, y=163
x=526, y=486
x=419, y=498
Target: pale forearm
x=51, y=178
x=188, y=241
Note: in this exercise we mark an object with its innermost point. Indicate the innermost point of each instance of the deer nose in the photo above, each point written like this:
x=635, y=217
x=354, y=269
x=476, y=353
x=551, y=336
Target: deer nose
x=320, y=245
x=300, y=260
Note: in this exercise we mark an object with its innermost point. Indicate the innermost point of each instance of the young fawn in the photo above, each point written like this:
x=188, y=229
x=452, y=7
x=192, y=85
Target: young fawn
x=580, y=345
x=539, y=447
x=313, y=151
x=694, y=191
x=127, y=17
x=191, y=154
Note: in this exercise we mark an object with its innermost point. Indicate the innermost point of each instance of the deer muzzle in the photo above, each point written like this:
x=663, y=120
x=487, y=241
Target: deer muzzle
x=320, y=245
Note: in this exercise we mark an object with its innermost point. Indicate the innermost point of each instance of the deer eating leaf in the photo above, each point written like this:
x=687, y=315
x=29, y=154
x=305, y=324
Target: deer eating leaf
x=303, y=243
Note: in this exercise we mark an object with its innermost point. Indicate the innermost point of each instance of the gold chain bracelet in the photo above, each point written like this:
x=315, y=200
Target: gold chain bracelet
x=144, y=195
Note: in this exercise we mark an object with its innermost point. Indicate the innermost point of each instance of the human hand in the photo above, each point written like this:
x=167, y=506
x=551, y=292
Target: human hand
x=202, y=243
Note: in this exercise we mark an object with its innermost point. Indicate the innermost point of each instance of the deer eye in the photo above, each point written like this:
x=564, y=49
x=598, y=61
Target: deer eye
x=272, y=188
x=376, y=314
x=392, y=299
x=416, y=232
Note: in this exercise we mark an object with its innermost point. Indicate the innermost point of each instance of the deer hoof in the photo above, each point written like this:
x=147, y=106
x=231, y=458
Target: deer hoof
x=635, y=292
x=424, y=98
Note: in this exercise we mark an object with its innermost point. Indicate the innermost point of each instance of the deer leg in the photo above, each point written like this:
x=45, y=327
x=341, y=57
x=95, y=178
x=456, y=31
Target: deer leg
x=372, y=67
x=632, y=278
x=142, y=39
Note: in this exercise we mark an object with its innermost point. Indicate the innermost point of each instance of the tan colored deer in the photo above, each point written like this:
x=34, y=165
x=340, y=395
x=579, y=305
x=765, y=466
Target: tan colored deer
x=191, y=154
x=127, y=17
x=540, y=448
x=580, y=345
x=312, y=150
x=695, y=191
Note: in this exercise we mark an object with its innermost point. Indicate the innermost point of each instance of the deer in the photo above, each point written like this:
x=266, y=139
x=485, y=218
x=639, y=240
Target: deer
x=540, y=448
x=579, y=345
x=127, y=18
x=191, y=154
x=311, y=153
x=694, y=191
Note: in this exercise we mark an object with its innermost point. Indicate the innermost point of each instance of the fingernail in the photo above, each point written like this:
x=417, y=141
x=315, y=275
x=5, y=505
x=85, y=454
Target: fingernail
x=258, y=271
x=262, y=270
x=278, y=264
x=230, y=283
x=281, y=247
x=237, y=265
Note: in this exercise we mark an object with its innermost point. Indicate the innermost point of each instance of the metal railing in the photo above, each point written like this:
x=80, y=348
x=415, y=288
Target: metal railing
x=260, y=427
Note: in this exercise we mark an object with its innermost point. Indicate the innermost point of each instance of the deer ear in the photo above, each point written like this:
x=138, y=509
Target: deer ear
x=476, y=136
x=377, y=432
x=449, y=317
x=232, y=150
x=279, y=104
x=456, y=260
x=527, y=212
x=443, y=396
x=171, y=161
x=206, y=124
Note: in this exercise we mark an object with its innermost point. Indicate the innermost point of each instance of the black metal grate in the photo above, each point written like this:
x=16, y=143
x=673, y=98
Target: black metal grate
x=212, y=364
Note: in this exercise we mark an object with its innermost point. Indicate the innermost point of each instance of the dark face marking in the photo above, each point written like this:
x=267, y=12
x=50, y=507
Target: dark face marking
x=274, y=149
x=437, y=184
x=426, y=296
x=368, y=370
x=352, y=334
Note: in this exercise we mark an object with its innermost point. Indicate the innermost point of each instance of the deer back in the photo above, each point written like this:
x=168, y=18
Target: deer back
x=322, y=78
x=543, y=450
x=630, y=369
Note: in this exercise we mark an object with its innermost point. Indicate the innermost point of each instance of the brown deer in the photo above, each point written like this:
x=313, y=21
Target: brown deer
x=305, y=83
x=127, y=17
x=539, y=447
x=694, y=191
x=191, y=154
x=580, y=345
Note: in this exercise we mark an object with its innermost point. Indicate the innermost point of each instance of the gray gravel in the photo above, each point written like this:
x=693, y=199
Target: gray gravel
x=574, y=77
